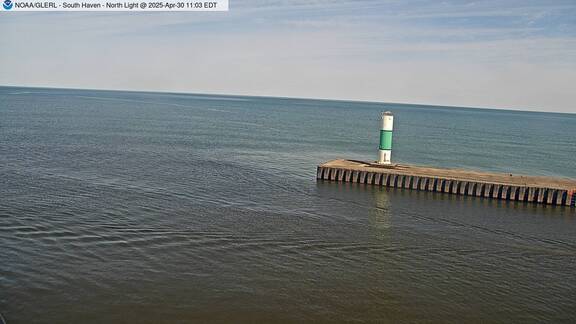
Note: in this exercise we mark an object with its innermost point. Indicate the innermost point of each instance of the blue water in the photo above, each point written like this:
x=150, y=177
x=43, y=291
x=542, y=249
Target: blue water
x=157, y=207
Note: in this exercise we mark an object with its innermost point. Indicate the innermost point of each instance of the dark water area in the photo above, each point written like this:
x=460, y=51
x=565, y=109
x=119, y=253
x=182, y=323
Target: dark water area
x=127, y=207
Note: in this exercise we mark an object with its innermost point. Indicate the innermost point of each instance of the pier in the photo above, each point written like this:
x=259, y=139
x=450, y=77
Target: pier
x=541, y=190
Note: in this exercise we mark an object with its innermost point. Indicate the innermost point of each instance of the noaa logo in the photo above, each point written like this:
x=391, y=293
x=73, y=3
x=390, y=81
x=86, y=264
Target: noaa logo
x=8, y=4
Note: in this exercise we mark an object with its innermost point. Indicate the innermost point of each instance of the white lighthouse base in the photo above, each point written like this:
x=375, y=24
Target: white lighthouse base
x=384, y=156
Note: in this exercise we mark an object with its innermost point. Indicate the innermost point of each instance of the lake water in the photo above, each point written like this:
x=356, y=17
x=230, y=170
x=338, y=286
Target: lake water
x=131, y=207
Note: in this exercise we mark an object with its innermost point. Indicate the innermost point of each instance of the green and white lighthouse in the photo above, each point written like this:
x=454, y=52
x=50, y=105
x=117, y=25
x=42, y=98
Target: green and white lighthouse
x=385, y=149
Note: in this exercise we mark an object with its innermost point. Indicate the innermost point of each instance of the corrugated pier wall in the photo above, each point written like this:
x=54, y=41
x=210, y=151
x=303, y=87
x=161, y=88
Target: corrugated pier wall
x=388, y=177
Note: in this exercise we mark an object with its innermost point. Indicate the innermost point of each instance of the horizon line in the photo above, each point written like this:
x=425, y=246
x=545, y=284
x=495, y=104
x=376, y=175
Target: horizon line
x=288, y=97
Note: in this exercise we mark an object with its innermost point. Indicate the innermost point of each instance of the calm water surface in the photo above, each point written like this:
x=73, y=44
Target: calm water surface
x=125, y=207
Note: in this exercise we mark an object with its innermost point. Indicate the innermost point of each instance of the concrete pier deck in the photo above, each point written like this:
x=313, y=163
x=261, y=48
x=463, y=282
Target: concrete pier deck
x=542, y=190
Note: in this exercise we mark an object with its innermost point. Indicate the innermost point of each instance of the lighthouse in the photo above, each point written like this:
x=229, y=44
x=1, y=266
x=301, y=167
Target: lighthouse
x=385, y=148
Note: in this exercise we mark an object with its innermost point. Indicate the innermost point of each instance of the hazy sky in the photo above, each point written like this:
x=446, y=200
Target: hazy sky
x=499, y=54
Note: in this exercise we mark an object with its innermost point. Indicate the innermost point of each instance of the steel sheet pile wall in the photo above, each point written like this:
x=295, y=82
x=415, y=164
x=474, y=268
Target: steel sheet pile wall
x=387, y=177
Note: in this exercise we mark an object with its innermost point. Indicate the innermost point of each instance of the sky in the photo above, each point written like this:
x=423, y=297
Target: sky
x=493, y=54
